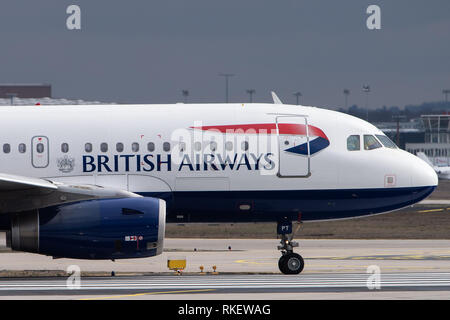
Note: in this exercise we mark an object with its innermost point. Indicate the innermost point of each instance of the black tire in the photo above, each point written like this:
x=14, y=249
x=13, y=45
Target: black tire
x=291, y=263
x=282, y=264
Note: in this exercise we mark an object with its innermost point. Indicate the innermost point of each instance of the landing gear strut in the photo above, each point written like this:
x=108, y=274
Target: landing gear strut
x=290, y=262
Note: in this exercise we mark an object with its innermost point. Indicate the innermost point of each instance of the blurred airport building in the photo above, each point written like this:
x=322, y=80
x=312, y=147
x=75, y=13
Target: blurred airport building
x=32, y=94
x=31, y=90
x=403, y=132
x=436, y=144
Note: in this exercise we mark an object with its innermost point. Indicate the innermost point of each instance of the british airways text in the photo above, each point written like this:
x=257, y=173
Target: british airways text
x=163, y=162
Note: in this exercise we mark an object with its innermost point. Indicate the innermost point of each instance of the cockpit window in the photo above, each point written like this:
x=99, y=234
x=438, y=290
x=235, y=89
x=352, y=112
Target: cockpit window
x=370, y=142
x=386, y=141
x=353, y=143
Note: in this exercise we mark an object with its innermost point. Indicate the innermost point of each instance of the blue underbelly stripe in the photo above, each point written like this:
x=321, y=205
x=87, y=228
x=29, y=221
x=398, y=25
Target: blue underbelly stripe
x=270, y=205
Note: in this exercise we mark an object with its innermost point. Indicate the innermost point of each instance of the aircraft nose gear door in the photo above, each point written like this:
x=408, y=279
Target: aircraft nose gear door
x=39, y=152
x=293, y=146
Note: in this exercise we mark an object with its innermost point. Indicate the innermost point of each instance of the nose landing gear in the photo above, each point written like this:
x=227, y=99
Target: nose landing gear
x=290, y=262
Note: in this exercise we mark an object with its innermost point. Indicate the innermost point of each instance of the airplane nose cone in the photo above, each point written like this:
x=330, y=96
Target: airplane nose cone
x=422, y=174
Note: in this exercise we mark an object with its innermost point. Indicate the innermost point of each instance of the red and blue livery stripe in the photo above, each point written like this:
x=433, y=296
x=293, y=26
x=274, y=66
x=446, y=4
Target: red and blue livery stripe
x=318, y=139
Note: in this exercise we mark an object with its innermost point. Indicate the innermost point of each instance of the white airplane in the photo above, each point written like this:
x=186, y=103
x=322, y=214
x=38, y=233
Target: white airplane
x=100, y=182
x=442, y=172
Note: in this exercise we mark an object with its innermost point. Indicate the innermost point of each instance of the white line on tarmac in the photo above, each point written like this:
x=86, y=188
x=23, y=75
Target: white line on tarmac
x=229, y=281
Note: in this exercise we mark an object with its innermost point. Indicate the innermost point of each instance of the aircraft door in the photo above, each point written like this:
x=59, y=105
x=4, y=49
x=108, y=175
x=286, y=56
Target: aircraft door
x=39, y=152
x=293, y=147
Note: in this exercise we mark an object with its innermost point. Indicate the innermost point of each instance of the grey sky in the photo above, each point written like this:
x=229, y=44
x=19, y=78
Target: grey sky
x=148, y=51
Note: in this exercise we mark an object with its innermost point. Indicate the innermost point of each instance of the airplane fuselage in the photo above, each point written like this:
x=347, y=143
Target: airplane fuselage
x=222, y=162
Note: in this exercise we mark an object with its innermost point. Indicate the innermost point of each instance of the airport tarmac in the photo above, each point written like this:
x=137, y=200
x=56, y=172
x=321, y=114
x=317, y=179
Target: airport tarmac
x=246, y=286
x=334, y=269
x=247, y=269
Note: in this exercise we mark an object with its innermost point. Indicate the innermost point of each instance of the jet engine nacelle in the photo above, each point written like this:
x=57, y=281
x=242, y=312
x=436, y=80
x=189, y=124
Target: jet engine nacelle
x=94, y=229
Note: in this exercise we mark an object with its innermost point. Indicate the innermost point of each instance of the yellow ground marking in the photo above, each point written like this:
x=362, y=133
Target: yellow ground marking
x=148, y=293
x=399, y=257
x=254, y=262
x=382, y=257
x=345, y=268
x=432, y=210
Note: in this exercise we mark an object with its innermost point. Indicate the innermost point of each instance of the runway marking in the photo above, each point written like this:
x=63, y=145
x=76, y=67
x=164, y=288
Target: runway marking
x=148, y=293
x=192, y=284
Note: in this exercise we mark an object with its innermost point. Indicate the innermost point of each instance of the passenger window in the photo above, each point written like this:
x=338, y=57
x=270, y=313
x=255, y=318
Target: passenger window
x=135, y=147
x=22, y=148
x=119, y=146
x=166, y=146
x=213, y=146
x=244, y=145
x=64, y=148
x=386, y=141
x=40, y=148
x=6, y=148
x=197, y=146
x=151, y=146
x=88, y=147
x=104, y=147
x=229, y=146
x=370, y=142
x=353, y=143
x=182, y=146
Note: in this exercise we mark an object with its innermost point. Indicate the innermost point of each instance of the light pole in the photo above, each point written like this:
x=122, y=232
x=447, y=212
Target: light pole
x=11, y=96
x=251, y=92
x=297, y=95
x=397, y=118
x=346, y=93
x=185, y=94
x=446, y=92
x=226, y=75
x=366, y=89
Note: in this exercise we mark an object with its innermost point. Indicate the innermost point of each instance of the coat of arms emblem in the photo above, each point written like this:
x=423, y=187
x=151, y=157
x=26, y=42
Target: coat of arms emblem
x=66, y=164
